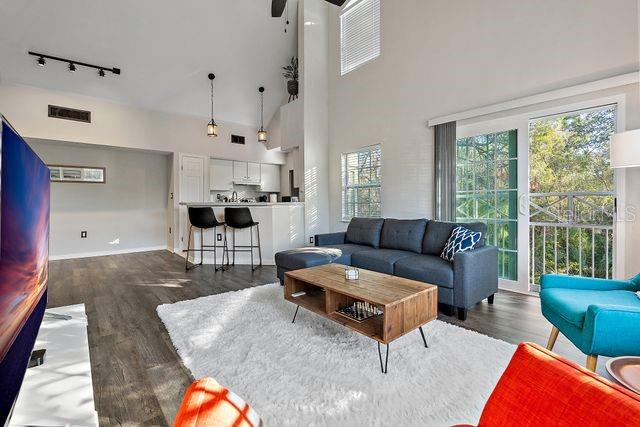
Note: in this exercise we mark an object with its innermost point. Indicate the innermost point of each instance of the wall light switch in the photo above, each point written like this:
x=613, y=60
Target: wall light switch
x=311, y=240
x=83, y=234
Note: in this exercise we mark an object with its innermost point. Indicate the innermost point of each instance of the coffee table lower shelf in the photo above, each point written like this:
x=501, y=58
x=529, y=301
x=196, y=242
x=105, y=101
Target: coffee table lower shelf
x=399, y=316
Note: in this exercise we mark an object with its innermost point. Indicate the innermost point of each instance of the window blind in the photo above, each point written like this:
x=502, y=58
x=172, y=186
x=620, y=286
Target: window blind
x=359, y=35
x=361, y=183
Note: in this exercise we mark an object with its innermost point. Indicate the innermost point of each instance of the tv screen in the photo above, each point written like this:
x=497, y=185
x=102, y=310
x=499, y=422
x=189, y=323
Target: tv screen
x=24, y=257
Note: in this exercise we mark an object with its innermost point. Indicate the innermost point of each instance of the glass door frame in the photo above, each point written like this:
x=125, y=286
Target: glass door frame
x=520, y=122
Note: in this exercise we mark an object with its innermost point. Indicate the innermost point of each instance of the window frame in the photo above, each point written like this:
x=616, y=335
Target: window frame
x=351, y=6
x=346, y=186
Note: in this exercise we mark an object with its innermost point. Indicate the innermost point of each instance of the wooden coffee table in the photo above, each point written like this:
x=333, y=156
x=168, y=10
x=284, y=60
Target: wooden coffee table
x=406, y=304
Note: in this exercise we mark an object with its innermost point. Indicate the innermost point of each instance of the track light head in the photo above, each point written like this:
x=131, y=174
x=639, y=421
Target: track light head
x=101, y=73
x=72, y=67
x=41, y=61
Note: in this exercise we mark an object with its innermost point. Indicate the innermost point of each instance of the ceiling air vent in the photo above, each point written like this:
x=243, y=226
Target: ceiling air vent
x=237, y=139
x=69, y=114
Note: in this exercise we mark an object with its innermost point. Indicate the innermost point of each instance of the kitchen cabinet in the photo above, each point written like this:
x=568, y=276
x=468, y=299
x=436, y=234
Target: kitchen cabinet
x=270, y=178
x=221, y=175
x=246, y=173
x=253, y=172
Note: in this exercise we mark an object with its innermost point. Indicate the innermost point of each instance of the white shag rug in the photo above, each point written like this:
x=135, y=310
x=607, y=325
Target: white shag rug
x=318, y=373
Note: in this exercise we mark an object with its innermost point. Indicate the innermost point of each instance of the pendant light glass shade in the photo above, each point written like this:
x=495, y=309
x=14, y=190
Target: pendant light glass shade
x=262, y=134
x=212, y=127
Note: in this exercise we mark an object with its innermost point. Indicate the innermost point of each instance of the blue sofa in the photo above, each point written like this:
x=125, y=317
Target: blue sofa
x=410, y=249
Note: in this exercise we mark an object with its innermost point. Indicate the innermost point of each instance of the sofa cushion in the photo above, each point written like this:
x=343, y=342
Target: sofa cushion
x=426, y=268
x=403, y=234
x=438, y=232
x=346, y=251
x=364, y=231
x=295, y=259
x=380, y=260
x=572, y=304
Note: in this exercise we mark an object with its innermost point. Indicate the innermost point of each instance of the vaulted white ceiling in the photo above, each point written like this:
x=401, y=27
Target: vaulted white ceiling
x=164, y=48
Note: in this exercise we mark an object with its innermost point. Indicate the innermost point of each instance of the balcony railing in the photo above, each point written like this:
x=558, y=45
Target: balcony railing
x=571, y=233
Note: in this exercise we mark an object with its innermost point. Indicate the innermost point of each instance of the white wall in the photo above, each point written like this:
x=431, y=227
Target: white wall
x=127, y=213
x=442, y=57
x=119, y=125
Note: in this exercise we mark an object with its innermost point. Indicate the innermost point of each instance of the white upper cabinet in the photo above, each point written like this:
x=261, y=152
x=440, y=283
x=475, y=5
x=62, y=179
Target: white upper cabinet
x=253, y=173
x=270, y=178
x=246, y=173
x=221, y=175
x=239, y=171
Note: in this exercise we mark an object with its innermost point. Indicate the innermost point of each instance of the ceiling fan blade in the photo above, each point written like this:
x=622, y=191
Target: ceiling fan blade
x=337, y=2
x=277, y=7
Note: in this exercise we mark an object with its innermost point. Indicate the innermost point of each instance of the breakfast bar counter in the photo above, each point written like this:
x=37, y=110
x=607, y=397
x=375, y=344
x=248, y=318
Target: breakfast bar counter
x=281, y=228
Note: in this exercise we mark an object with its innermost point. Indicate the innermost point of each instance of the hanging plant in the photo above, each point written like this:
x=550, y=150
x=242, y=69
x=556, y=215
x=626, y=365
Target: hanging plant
x=290, y=72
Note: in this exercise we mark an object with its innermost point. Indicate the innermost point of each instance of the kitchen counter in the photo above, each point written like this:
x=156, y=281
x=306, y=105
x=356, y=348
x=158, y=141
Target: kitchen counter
x=258, y=204
x=282, y=227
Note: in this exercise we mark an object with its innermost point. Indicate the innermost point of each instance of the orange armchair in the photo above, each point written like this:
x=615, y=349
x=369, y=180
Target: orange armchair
x=207, y=403
x=540, y=388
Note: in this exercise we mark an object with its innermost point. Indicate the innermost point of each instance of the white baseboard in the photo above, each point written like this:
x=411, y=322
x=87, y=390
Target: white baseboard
x=104, y=253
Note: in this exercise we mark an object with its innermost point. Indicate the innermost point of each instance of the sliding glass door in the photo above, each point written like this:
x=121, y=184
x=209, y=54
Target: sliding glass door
x=487, y=191
x=571, y=194
x=542, y=183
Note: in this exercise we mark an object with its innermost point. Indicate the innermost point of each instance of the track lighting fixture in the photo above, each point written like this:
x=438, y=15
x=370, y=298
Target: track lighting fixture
x=262, y=134
x=212, y=127
x=74, y=64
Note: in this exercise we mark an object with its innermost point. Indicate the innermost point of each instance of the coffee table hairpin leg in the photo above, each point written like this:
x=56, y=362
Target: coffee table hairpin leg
x=296, y=313
x=386, y=359
x=424, y=340
x=384, y=367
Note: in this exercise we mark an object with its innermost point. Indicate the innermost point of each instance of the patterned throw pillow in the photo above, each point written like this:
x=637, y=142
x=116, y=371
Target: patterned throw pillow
x=461, y=240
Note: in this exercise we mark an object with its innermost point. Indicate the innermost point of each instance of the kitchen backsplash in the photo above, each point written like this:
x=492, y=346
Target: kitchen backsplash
x=244, y=192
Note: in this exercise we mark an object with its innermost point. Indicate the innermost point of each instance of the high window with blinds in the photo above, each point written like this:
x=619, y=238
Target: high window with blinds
x=361, y=183
x=359, y=34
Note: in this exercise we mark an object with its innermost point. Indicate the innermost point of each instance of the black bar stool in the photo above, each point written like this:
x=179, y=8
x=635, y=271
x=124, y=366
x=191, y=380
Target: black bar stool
x=240, y=218
x=204, y=219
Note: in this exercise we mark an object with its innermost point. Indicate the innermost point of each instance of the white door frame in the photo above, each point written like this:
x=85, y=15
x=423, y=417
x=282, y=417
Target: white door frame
x=520, y=122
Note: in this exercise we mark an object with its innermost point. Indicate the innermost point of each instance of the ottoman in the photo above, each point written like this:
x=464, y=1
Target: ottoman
x=296, y=259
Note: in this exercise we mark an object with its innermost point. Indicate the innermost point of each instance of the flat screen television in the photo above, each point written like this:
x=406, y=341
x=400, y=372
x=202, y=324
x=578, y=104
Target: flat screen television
x=24, y=259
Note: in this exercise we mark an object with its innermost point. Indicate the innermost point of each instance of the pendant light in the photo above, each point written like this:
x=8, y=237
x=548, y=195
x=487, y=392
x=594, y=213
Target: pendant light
x=212, y=127
x=262, y=134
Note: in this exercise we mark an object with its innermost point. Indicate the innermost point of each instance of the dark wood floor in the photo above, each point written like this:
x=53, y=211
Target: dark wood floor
x=138, y=378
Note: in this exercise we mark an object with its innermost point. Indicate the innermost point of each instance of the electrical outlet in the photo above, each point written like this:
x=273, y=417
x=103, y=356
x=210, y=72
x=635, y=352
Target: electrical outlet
x=219, y=237
x=311, y=240
x=169, y=230
x=83, y=234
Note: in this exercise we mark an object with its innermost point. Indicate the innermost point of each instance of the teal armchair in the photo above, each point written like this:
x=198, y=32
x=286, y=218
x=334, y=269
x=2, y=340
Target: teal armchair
x=600, y=317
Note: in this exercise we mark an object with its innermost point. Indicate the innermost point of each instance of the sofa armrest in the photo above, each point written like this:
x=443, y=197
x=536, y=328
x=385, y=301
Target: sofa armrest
x=475, y=275
x=330, y=239
x=611, y=330
x=548, y=281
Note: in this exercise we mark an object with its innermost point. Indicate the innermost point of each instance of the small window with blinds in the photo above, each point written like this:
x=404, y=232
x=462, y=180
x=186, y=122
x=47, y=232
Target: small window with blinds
x=361, y=183
x=359, y=34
